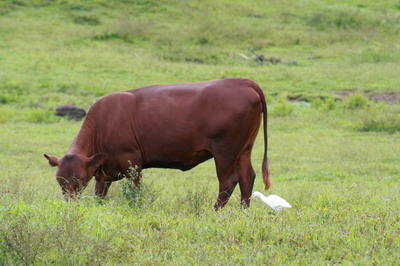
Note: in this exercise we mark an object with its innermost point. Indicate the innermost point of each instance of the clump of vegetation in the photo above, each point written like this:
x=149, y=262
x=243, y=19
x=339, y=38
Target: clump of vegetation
x=327, y=104
x=386, y=122
x=134, y=190
x=355, y=101
x=16, y=242
x=87, y=20
x=351, y=102
x=108, y=36
x=196, y=200
x=281, y=108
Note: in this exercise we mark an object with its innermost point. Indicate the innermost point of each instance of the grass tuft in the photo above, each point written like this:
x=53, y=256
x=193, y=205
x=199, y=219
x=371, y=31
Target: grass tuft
x=87, y=20
x=356, y=101
x=196, y=200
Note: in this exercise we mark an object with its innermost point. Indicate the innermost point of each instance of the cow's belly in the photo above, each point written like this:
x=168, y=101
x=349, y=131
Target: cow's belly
x=182, y=162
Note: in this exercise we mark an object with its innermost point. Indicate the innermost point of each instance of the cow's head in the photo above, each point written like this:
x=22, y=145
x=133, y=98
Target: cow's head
x=75, y=171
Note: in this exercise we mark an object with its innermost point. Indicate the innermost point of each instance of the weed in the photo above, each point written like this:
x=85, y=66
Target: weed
x=134, y=190
x=197, y=200
x=20, y=240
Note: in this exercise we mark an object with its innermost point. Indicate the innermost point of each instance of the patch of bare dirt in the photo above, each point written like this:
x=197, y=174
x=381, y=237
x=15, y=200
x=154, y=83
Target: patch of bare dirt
x=391, y=97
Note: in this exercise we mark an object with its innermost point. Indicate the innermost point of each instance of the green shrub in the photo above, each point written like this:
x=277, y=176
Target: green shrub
x=355, y=101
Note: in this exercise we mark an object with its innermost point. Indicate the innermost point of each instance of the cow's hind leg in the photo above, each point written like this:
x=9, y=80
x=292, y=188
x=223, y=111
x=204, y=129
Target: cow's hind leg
x=246, y=176
x=228, y=179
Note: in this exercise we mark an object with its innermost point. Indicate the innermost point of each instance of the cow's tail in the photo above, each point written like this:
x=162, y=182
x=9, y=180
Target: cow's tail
x=266, y=172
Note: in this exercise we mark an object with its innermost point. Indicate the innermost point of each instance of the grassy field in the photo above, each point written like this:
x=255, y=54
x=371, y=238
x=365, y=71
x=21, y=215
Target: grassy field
x=335, y=159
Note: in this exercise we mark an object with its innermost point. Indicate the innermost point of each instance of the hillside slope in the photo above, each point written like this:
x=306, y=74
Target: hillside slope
x=72, y=52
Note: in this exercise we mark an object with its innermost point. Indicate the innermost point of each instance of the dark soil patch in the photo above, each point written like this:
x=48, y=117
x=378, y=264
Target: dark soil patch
x=297, y=98
x=310, y=97
x=392, y=97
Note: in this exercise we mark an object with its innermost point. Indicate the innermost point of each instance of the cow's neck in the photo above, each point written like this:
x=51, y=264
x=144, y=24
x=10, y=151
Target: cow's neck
x=83, y=143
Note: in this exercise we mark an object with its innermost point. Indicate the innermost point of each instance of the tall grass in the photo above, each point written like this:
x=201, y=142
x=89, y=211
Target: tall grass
x=327, y=226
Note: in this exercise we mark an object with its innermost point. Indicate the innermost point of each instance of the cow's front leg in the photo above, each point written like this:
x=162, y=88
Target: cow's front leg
x=101, y=188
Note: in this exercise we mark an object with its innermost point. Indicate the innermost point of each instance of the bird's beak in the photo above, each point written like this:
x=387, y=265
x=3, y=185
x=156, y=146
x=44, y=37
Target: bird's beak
x=250, y=198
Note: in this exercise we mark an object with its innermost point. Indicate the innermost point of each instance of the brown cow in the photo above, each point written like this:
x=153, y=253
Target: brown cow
x=169, y=126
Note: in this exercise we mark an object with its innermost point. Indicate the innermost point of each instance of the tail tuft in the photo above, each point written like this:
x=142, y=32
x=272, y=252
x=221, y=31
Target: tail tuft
x=266, y=172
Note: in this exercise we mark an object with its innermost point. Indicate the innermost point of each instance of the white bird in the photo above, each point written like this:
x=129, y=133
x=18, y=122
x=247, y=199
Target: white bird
x=274, y=201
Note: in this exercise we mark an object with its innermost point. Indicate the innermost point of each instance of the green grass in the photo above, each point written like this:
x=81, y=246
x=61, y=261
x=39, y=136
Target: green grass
x=336, y=161
x=343, y=192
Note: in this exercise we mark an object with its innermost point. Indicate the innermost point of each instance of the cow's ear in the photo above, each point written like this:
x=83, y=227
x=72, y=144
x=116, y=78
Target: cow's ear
x=53, y=160
x=96, y=160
